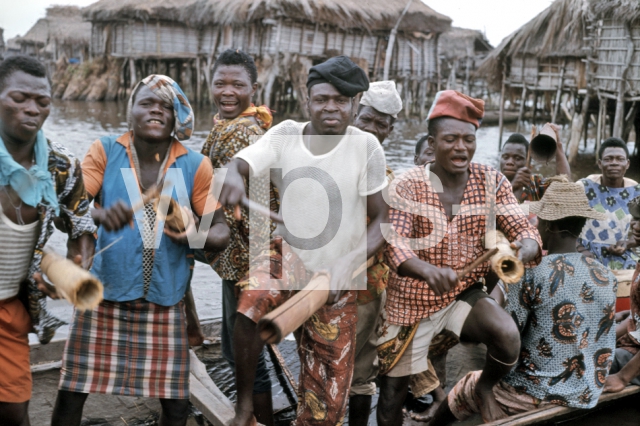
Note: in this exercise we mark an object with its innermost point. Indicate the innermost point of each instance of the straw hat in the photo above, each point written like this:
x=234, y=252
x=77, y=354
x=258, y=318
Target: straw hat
x=564, y=199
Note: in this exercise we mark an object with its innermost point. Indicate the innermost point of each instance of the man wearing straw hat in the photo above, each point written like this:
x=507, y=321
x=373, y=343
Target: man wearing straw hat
x=436, y=234
x=135, y=342
x=39, y=181
x=564, y=309
x=330, y=178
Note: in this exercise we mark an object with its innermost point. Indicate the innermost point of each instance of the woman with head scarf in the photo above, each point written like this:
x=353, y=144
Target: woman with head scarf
x=135, y=342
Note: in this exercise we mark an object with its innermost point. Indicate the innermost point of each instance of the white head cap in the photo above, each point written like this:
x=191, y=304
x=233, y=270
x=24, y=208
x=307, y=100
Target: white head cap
x=383, y=97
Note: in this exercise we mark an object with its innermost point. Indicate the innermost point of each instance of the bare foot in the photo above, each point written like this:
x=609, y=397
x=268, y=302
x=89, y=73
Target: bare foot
x=489, y=407
x=427, y=415
x=614, y=383
x=196, y=338
x=243, y=418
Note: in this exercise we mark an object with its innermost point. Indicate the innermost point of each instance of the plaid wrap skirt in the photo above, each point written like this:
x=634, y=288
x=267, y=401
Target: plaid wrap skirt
x=134, y=348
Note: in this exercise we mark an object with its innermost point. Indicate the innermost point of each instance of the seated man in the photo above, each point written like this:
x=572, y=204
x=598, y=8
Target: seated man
x=626, y=365
x=564, y=309
x=513, y=164
x=607, y=240
x=442, y=205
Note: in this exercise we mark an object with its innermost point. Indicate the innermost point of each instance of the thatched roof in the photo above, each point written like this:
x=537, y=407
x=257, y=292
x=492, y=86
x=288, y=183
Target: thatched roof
x=38, y=34
x=370, y=14
x=66, y=25
x=462, y=42
x=63, y=24
x=623, y=10
x=559, y=31
x=108, y=10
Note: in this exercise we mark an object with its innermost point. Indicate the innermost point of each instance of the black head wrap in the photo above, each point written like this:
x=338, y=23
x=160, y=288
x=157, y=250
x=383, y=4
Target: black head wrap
x=339, y=71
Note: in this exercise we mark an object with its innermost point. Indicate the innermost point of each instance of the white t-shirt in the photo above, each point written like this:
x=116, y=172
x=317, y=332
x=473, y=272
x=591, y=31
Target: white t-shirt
x=323, y=197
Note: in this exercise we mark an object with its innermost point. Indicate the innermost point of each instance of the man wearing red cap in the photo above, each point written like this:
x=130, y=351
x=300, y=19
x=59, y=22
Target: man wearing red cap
x=439, y=216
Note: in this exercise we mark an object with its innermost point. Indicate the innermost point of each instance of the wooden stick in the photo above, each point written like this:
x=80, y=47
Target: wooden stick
x=259, y=208
x=477, y=263
x=281, y=368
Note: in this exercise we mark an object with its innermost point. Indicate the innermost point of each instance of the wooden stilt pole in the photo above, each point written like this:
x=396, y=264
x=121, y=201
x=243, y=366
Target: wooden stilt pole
x=556, y=107
x=618, y=122
x=600, y=126
x=501, y=118
x=522, y=102
x=198, y=78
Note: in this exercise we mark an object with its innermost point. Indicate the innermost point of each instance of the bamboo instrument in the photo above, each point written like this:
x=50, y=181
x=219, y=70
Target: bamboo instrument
x=173, y=219
x=285, y=319
x=72, y=282
x=505, y=263
x=543, y=146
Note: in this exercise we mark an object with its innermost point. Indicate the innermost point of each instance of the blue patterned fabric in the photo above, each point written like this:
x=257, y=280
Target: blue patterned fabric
x=565, y=311
x=597, y=236
x=34, y=185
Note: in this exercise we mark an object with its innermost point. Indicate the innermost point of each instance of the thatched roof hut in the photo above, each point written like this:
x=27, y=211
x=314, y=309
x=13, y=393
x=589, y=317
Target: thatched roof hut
x=536, y=54
x=12, y=47
x=285, y=36
x=61, y=32
x=460, y=51
x=458, y=43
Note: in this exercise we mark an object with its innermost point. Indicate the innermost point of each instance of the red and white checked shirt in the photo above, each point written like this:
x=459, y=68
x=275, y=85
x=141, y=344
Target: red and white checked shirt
x=453, y=244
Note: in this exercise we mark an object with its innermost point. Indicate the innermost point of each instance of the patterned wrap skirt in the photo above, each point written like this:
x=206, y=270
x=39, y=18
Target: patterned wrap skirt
x=134, y=348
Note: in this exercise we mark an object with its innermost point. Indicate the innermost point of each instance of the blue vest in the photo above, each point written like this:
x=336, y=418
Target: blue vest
x=120, y=266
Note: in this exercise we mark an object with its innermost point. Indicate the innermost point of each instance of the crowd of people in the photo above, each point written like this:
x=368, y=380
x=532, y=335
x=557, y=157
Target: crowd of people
x=552, y=338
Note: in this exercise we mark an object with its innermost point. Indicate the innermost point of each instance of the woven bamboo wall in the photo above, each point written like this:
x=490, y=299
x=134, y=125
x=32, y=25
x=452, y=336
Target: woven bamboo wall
x=544, y=73
x=413, y=57
x=610, y=53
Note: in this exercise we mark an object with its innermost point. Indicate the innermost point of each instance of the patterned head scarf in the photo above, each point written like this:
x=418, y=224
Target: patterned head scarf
x=169, y=91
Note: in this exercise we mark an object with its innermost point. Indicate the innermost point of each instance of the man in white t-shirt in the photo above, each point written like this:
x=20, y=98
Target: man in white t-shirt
x=330, y=177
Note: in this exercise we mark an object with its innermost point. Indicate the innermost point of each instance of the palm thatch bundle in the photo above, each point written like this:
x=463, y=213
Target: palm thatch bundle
x=374, y=15
x=557, y=31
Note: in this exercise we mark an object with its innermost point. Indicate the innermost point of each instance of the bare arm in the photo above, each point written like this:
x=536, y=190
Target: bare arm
x=562, y=164
x=233, y=189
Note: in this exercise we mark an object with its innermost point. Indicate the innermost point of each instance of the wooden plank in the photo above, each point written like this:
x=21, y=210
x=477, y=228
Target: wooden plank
x=206, y=396
x=542, y=414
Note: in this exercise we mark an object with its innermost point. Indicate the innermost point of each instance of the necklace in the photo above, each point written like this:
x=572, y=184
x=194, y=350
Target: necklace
x=17, y=208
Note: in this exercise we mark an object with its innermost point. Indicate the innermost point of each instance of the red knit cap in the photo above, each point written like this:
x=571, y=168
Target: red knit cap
x=449, y=103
